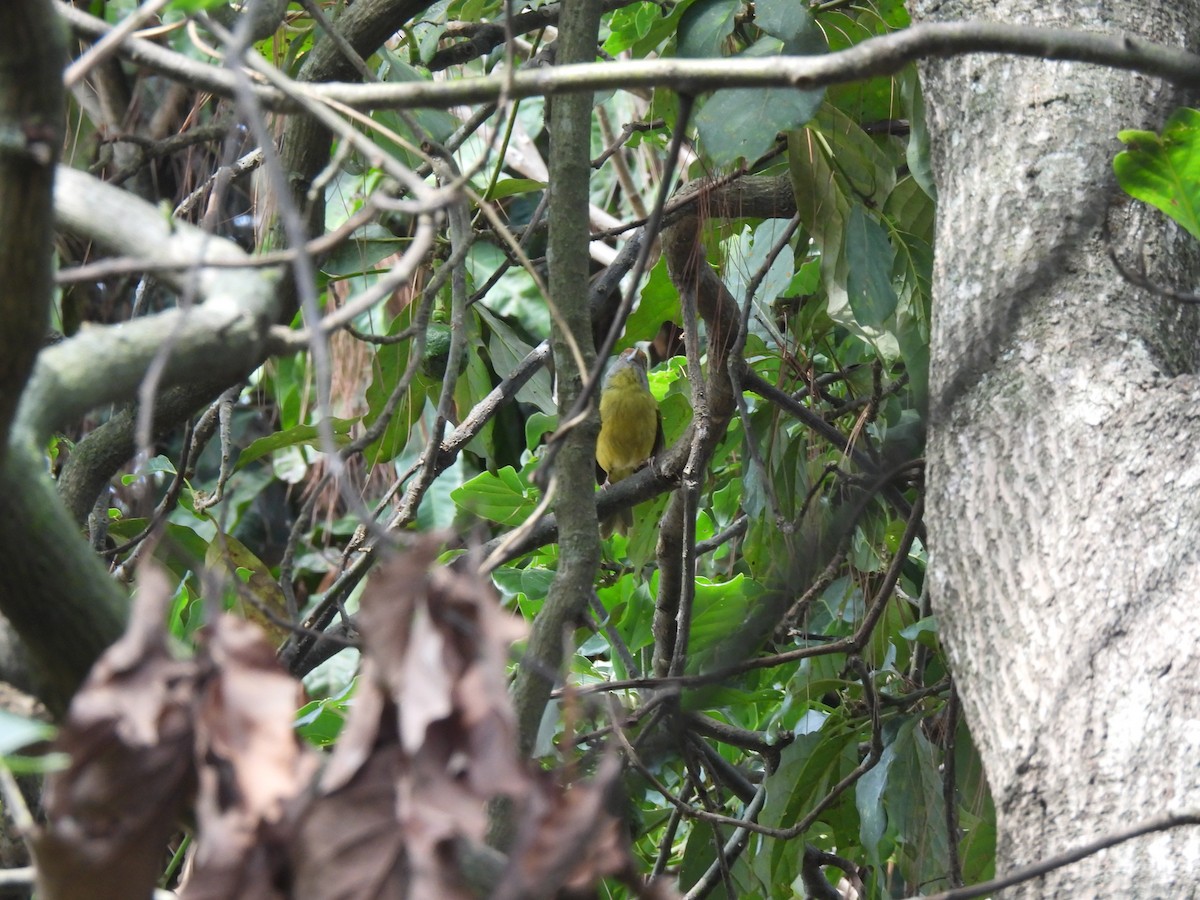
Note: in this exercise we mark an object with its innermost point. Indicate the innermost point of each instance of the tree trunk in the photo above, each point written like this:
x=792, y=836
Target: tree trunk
x=1063, y=510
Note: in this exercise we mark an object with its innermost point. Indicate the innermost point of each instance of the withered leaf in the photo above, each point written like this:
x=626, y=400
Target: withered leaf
x=567, y=840
x=129, y=737
x=252, y=766
x=429, y=740
x=439, y=641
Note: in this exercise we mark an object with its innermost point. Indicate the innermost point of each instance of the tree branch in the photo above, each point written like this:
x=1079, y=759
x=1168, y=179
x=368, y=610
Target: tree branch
x=223, y=337
x=1161, y=823
x=575, y=504
x=31, y=102
x=883, y=55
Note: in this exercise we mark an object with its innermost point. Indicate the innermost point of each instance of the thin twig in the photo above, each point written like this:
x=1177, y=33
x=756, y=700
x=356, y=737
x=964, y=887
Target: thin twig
x=1038, y=869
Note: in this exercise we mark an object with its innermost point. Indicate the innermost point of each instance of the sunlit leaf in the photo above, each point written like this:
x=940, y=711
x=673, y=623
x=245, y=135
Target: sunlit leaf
x=307, y=435
x=1164, y=170
x=502, y=497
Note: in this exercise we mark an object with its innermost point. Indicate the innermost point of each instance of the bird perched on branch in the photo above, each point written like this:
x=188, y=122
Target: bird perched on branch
x=630, y=426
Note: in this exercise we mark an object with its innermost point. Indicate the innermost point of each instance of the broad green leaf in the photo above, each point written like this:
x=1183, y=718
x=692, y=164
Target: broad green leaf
x=629, y=25
x=371, y=246
x=808, y=768
x=181, y=550
x=917, y=154
x=821, y=201
x=191, y=7
x=743, y=123
x=868, y=796
x=629, y=602
x=704, y=27
x=643, y=537
x=391, y=361
x=506, y=349
x=509, y=187
x=437, y=124
x=501, y=497
x=157, y=465
x=698, y=855
x=869, y=256
x=869, y=170
x=915, y=806
x=1165, y=171
x=929, y=625
x=260, y=599
x=657, y=303
x=307, y=435
x=782, y=19
x=320, y=721
x=17, y=732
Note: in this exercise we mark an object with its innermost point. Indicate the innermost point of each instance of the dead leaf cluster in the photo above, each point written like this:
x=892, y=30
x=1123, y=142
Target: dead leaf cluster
x=398, y=810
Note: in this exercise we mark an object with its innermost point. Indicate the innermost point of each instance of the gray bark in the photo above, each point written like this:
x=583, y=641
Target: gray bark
x=1063, y=511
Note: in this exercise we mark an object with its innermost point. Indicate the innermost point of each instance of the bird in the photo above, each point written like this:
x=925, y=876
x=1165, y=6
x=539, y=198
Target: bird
x=630, y=426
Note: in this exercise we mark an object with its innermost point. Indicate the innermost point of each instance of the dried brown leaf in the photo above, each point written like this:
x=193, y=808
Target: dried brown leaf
x=568, y=840
x=252, y=766
x=129, y=736
x=383, y=833
x=429, y=740
x=359, y=735
x=439, y=640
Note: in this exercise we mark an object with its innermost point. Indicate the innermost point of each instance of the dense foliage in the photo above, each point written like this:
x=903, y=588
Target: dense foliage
x=809, y=719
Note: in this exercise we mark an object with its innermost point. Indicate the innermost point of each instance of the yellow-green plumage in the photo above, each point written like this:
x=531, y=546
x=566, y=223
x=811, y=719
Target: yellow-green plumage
x=629, y=424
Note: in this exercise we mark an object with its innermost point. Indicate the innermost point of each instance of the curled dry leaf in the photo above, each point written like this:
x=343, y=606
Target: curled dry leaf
x=252, y=767
x=129, y=736
x=440, y=641
x=430, y=739
x=568, y=840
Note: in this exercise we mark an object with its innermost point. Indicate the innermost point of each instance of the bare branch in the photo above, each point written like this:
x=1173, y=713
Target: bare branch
x=883, y=55
x=225, y=333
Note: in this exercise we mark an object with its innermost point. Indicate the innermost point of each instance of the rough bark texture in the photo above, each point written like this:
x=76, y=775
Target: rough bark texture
x=575, y=501
x=31, y=99
x=1064, y=514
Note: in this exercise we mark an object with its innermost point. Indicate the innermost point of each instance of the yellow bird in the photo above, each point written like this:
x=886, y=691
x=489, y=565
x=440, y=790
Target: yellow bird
x=630, y=426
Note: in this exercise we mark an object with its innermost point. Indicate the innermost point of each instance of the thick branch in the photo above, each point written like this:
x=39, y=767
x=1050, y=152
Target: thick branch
x=31, y=99
x=53, y=589
x=223, y=337
x=575, y=503
x=879, y=56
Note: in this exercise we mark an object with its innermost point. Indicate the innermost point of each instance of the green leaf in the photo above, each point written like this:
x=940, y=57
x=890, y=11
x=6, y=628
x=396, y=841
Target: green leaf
x=190, y=7
x=705, y=26
x=658, y=303
x=502, y=497
x=868, y=797
x=869, y=256
x=719, y=610
x=916, y=807
x=301, y=434
x=154, y=466
x=929, y=624
x=629, y=25
x=743, y=123
x=782, y=19
x=808, y=768
x=509, y=187
x=181, y=550
x=17, y=732
x=506, y=349
x=320, y=722
x=391, y=361
x=917, y=154
x=1165, y=171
